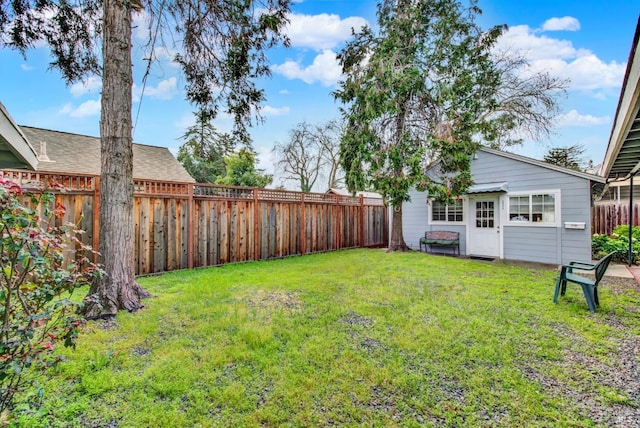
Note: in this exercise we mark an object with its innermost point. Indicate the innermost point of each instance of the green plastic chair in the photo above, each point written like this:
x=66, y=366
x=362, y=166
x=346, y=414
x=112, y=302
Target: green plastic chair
x=589, y=285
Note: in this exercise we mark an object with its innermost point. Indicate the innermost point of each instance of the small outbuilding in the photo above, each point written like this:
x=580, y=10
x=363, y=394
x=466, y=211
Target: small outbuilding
x=518, y=209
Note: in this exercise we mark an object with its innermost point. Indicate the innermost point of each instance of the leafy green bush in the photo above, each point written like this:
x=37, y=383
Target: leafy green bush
x=618, y=242
x=36, y=283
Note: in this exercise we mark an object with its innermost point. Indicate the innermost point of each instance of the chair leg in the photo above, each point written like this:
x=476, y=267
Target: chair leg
x=555, y=295
x=563, y=287
x=589, y=297
x=595, y=295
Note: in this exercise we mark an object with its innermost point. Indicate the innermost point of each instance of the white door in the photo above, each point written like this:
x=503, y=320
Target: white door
x=483, y=238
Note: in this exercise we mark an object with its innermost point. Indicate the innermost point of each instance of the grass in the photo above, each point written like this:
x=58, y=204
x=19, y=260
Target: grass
x=357, y=337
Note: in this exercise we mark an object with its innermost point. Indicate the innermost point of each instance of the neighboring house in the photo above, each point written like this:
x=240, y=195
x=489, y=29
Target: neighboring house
x=345, y=192
x=15, y=150
x=68, y=153
x=519, y=209
x=43, y=150
x=617, y=192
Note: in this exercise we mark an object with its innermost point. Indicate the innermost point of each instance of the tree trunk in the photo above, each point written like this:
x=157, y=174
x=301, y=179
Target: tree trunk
x=118, y=288
x=396, y=242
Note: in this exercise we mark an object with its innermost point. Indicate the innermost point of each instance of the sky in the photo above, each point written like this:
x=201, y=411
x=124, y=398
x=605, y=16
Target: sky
x=586, y=42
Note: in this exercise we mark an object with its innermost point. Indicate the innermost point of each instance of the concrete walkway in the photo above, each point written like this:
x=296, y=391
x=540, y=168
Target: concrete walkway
x=621, y=270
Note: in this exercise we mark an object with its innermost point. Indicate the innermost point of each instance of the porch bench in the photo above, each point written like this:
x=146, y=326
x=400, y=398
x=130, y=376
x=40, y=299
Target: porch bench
x=441, y=238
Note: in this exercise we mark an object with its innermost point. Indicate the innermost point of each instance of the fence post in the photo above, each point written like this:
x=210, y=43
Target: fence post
x=256, y=225
x=191, y=209
x=361, y=221
x=96, y=217
x=338, y=223
x=303, y=227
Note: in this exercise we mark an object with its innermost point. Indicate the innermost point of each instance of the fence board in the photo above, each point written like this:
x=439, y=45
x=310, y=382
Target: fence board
x=144, y=253
x=159, y=244
x=605, y=218
x=224, y=224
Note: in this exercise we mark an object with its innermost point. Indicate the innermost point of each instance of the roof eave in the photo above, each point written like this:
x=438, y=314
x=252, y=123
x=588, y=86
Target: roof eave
x=626, y=112
x=17, y=142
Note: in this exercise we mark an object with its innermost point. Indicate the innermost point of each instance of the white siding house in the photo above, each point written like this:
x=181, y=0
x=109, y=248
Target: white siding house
x=518, y=209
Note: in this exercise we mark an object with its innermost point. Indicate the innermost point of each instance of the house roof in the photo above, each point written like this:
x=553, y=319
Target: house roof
x=15, y=150
x=622, y=158
x=80, y=154
x=543, y=164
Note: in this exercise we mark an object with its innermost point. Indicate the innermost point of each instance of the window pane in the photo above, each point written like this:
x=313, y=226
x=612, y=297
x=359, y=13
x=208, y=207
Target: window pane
x=543, y=208
x=519, y=208
x=454, y=212
x=438, y=212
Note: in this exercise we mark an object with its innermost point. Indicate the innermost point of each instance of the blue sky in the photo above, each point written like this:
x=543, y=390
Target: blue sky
x=585, y=41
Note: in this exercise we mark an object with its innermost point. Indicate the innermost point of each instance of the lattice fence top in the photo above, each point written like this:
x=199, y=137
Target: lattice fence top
x=168, y=188
x=88, y=184
x=54, y=182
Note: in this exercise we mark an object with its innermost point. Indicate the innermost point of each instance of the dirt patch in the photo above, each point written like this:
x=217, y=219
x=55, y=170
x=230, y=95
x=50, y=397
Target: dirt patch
x=353, y=319
x=276, y=300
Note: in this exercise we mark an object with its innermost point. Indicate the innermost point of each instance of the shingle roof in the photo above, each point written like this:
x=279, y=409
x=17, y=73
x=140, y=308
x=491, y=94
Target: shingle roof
x=73, y=153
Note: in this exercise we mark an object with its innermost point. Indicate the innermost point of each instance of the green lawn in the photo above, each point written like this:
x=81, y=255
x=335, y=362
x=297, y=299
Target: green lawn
x=353, y=338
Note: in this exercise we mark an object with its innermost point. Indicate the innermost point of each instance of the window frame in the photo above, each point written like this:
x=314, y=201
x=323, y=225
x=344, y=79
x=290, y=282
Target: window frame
x=530, y=195
x=463, y=207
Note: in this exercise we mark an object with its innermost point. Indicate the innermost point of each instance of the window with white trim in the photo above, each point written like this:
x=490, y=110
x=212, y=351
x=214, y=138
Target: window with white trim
x=533, y=208
x=447, y=213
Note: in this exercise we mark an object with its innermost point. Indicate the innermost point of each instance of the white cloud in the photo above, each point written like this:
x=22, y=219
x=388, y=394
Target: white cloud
x=269, y=111
x=266, y=159
x=26, y=67
x=321, y=31
x=324, y=69
x=522, y=38
x=140, y=25
x=87, y=108
x=573, y=118
x=92, y=84
x=567, y=23
x=164, y=90
x=561, y=59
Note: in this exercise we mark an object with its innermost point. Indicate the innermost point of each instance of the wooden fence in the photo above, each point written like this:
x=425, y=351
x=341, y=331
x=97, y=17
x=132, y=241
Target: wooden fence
x=186, y=225
x=604, y=218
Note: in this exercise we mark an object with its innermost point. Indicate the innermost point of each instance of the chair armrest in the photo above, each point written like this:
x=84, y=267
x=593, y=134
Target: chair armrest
x=564, y=269
x=582, y=266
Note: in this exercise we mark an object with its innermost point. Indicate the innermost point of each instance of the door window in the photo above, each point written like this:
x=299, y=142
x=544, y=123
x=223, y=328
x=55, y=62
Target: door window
x=485, y=218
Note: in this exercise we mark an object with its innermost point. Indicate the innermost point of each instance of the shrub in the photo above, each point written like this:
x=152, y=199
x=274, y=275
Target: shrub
x=36, y=284
x=618, y=242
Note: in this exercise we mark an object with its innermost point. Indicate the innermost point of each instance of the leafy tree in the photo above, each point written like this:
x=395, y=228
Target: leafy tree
x=203, y=151
x=525, y=103
x=35, y=286
x=310, y=151
x=568, y=157
x=222, y=53
x=413, y=91
x=241, y=171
